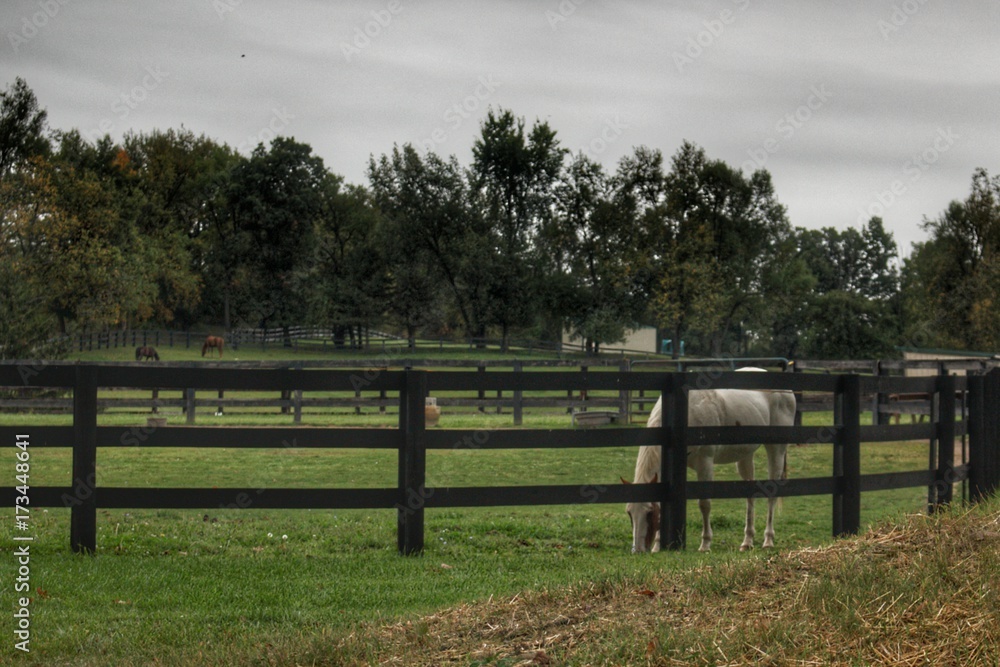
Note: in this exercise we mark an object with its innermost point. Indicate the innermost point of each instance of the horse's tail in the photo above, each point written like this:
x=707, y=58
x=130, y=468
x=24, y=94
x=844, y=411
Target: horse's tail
x=138, y=353
x=204, y=346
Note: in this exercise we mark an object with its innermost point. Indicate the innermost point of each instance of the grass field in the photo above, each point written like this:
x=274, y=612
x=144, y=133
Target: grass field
x=268, y=587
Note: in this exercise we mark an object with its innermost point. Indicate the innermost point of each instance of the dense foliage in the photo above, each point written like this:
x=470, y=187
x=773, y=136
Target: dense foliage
x=173, y=229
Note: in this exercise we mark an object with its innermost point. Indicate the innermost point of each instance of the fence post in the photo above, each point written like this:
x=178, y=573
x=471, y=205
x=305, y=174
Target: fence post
x=412, y=465
x=482, y=393
x=944, y=477
x=189, y=404
x=847, y=458
x=83, y=516
x=879, y=417
x=518, y=397
x=673, y=464
x=984, y=475
x=624, y=366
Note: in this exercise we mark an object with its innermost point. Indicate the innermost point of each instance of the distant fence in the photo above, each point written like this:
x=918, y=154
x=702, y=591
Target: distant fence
x=627, y=407
x=411, y=440
x=317, y=339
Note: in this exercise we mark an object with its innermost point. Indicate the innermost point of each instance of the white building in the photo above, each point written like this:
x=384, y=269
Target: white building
x=643, y=339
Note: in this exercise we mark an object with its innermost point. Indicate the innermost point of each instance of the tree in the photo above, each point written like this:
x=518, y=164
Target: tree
x=434, y=236
x=583, y=254
x=845, y=325
x=512, y=176
x=273, y=201
x=25, y=320
x=951, y=279
x=857, y=279
x=862, y=261
x=22, y=127
x=176, y=180
x=345, y=284
x=688, y=278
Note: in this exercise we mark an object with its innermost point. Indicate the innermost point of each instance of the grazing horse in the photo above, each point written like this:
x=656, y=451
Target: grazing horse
x=212, y=342
x=146, y=352
x=716, y=407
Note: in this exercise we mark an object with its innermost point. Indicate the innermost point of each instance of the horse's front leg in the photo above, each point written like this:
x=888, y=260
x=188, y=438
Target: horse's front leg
x=745, y=468
x=704, y=467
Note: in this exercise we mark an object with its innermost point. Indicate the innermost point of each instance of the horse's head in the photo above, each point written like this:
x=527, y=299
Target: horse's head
x=645, y=518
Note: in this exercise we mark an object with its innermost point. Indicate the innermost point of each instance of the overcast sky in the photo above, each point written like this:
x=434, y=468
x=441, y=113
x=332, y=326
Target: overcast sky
x=856, y=108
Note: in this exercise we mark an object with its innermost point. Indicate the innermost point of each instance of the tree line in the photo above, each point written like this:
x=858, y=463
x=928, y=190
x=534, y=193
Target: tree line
x=172, y=229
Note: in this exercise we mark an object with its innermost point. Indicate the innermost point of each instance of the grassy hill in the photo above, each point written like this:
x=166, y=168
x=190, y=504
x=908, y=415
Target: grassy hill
x=925, y=590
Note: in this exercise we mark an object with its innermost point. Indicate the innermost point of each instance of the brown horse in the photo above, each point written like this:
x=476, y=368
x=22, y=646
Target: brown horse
x=146, y=352
x=212, y=342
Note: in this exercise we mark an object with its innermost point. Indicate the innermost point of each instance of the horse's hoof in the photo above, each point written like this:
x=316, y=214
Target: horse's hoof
x=746, y=547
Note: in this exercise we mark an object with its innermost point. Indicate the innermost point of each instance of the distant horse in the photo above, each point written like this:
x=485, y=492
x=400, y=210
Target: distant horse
x=212, y=342
x=146, y=352
x=716, y=407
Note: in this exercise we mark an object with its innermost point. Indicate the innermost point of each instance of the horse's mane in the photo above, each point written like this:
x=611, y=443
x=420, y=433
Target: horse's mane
x=647, y=466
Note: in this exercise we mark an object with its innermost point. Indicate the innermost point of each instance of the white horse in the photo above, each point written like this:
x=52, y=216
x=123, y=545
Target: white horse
x=716, y=407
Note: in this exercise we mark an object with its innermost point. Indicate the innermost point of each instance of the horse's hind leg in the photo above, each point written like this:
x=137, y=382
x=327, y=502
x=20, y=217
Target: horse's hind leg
x=745, y=468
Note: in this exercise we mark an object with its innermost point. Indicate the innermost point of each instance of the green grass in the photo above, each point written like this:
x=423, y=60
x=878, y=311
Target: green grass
x=393, y=351
x=253, y=586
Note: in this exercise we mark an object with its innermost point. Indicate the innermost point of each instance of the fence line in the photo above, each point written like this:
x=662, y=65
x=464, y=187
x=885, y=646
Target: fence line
x=626, y=406
x=313, y=339
x=411, y=440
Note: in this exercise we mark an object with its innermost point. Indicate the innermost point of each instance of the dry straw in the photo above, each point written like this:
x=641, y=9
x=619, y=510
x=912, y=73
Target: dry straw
x=922, y=592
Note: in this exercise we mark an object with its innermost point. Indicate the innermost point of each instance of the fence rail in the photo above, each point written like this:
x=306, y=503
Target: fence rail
x=411, y=440
x=318, y=339
x=627, y=407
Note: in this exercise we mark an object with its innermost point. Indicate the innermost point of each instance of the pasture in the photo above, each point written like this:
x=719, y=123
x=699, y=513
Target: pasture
x=254, y=586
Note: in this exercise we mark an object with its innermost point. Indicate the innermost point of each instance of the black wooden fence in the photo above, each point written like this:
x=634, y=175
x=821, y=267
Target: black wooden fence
x=411, y=440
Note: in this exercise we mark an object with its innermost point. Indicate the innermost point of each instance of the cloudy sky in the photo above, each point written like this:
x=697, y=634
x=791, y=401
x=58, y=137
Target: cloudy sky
x=856, y=108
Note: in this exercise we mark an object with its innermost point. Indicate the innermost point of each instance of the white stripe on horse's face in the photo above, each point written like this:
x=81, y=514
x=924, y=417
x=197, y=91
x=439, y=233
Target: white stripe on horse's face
x=645, y=523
